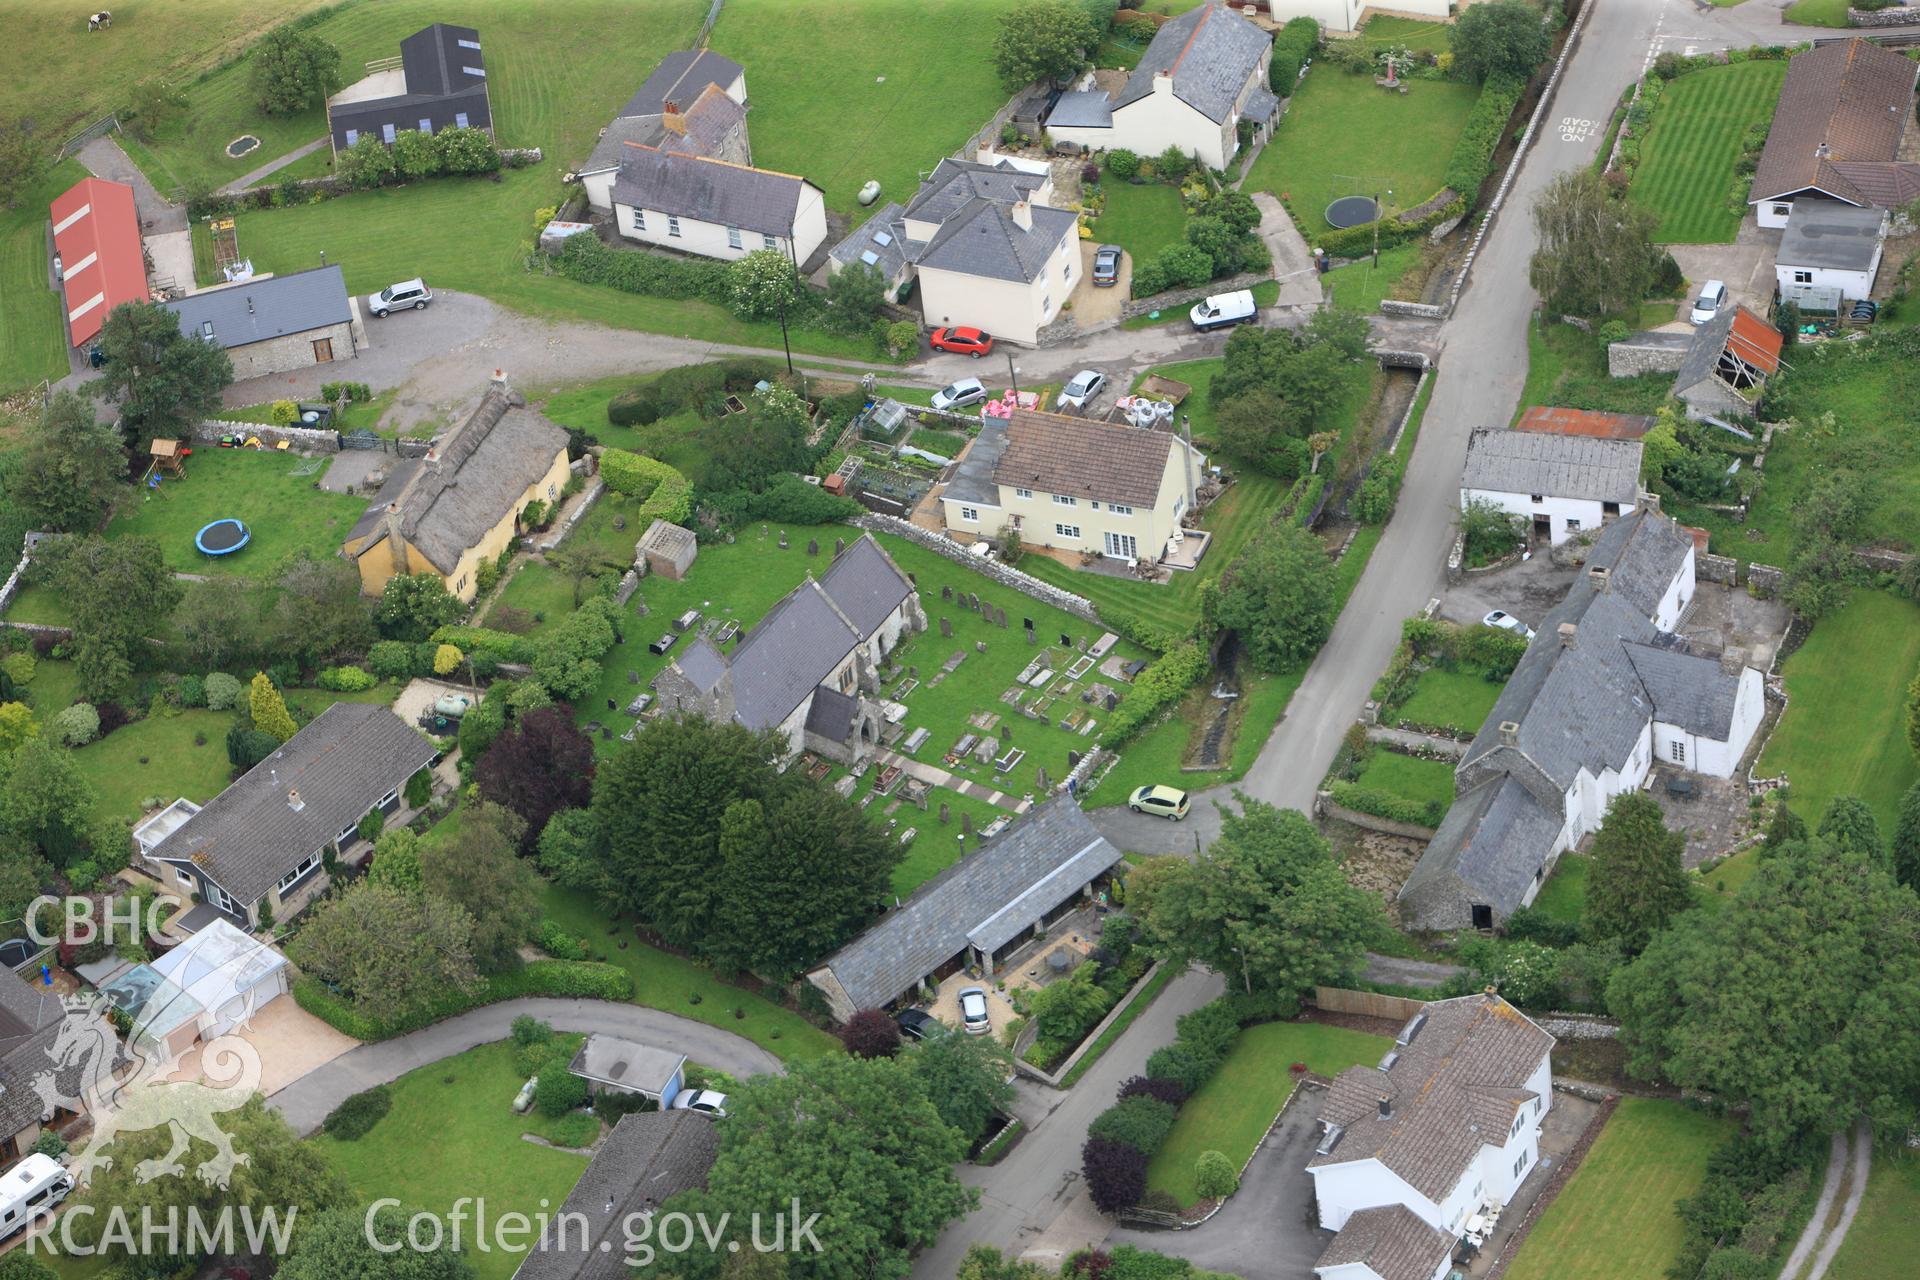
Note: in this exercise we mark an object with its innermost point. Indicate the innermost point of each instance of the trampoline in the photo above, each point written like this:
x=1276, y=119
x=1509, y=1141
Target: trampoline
x=1350, y=211
x=222, y=537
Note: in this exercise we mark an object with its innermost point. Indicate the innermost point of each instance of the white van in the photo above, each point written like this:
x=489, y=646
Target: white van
x=1223, y=309
x=30, y=1188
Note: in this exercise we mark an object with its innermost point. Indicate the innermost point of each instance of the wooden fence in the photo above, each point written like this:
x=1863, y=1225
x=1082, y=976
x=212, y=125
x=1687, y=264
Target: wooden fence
x=1369, y=1004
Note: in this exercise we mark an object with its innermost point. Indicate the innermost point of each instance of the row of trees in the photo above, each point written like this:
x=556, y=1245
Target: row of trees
x=1278, y=390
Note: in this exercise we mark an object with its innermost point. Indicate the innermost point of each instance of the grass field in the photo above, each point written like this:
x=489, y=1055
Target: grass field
x=284, y=511
x=1564, y=896
x=1885, y=1236
x=159, y=758
x=1819, y=13
x=1842, y=732
x=1143, y=220
x=33, y=342
x=1452, y=699
x=1233, y=1110
x=1361, y=286
x=1416, y=34
x=1686, y=165
x=1652, y=1153
x=1568, y=368
x=662, y=981
x=894, y=95
x=1344, y=137
x=452, y=1133
x=1410, y=778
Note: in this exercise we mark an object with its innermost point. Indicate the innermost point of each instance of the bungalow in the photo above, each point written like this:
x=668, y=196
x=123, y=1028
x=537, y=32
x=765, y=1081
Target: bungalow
x=274, y=324
x=30, y=1020
x=693, y=102
x=984, y=242
x=714, y=208
x=259, y=848
x=1606, y=688
x=649, y=1158
x=1836, y=133
x=979, y=911
x=810, y=668
x=439, y=81
x=460, y=506
x=1445, y=1127
x=608, y=1062
x=1204, y=73
x=1077, y=485
x=98, y=256
x=1727, y=365
x=1829, y=252
x=1560, y=483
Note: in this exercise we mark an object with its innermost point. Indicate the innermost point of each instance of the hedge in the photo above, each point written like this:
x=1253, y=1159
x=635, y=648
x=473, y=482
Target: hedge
x=1159, y=686
x=1384, y=804
x=1480, y=137
x=500, y=646
x=588, y=260
x=572, y=979
x=1140, y=1122
x=354, y=1118
x=665, y=493
x=1291, y=48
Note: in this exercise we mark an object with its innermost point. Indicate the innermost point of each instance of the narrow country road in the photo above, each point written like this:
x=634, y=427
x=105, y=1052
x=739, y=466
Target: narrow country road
x=1849, y=1162
x=306, y=1102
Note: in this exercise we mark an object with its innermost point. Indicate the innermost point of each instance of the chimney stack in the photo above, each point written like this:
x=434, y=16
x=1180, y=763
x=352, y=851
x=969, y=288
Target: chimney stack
x=1568, y=632
x=294, y=802
x=672, y=119
x=1023, y=215
x=1509, y=733
x=1386, y=1107
x=1600, y=578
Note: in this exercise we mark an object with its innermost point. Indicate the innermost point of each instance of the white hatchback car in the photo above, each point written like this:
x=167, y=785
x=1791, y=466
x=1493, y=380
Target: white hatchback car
x=1078, y=393
x=1713, y=296
x=961, y=394
x=705, y=1101
x=973, y=1011
x=1505, y=621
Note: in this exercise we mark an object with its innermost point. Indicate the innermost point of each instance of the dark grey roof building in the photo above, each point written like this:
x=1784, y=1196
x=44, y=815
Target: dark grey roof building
x=694, y=101
x=1603, y=690
x=30, y=1018
x=998, y=241
x=441, y=83
x=263, y=837
x=647, y=1159
x=239, y=315
x=1825, y=235
x=680, y=185
x=980, y=906
x=1208, y=53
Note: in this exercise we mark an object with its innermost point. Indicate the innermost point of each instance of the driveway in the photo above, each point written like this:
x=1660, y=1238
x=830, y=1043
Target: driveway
x=1746, y=265
x=307, y=1101
x=1267, y=1230
x=1300, y=284
x=291, y=1042
x=1093, y=305
x=103, y=158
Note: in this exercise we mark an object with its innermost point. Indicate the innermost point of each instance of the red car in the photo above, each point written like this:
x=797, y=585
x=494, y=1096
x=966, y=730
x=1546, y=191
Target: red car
x=964, y=341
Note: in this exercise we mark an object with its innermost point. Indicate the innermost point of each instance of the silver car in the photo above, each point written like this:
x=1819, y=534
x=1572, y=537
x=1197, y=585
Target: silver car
x=973, y=1011
x=961, y=394
x=399, y=297
x=706, y=1101
x=1085, y=385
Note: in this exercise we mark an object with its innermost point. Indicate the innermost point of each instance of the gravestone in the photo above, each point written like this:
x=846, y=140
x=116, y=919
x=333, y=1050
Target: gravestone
x=1066, y=641
x=619, y=522
x=783, y=539
x=1041, y=776
x=1073, y=760
x=839, y=545
x=946, y=591
x=945, y=816
x=979, y=646
x=763, y=533
x=966, y=824
x=633, y=677
x=813, y=546
x=973, y=602
x=1032, y=638
x=1028, y=623
x=946, y=627
x=1113, y=700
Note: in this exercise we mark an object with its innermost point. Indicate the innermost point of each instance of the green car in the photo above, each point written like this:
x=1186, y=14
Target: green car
x=1167, y=802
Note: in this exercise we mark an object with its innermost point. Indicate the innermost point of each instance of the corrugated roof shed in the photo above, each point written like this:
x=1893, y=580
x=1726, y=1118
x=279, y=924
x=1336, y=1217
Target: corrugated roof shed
x=96, y=232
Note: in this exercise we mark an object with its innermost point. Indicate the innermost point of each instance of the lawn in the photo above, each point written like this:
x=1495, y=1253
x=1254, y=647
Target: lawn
x=1343, y=137
x=1885, y=1236
x=1651, y=1154
x=33, y=342
x=1417, y=34
x=1411, y=778
x=898, y=92
x=1819, y=13
x=273, y=493
x=452, y=1134
x=1450, y=699
x=1142, y=219
x=1361, y=286
x=160, y=758
x=1234, y=1109
x=1564, y=896
x=1686, y=165
x=667, y=982
x=1568, y=368
x=1842, y=733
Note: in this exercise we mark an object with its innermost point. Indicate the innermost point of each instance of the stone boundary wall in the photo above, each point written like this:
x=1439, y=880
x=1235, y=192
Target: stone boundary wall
x=1133, y=307
x=1031, y=1033
x=14, y=580
x=307, y=440
x=1579, y=1026
x=1519, y=154
x=552, y=537
x=1897, y=16
x=1418, y=310
x=1324, y=807
x=1627, y=359
x=1399, y=432
x=510, y=158
x=1721, y=569
x=1765, y=579
x=1005, y=575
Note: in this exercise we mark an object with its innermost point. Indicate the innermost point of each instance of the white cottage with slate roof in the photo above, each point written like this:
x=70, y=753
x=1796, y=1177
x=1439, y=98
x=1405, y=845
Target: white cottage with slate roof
x=694, y=101
x=714, y=208
x=808, y=669
x=1605, y=691
x=1204, y=73
x=978, y=911
x=1561, y=484
x=1447, y=1125
x=984, y=241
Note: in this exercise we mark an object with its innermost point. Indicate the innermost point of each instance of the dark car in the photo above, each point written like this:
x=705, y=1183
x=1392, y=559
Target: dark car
x=918, y=1024
x=963, y=340
x=1106, y=266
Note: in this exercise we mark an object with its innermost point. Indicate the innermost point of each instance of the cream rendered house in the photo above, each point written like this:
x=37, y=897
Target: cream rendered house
x=985, y=242
x=460, y=506
x=1204, y=73
x=1073, y=485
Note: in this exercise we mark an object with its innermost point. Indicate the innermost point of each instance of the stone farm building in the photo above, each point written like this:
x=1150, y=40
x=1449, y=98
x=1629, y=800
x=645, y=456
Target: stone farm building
x=1560, y=484
x=1605, y=690
x=810, y=669
x=440, y=83
x=1446, y=1126
x=979, y=911
x=460, y=506
x=261, y=845
x=273, y=324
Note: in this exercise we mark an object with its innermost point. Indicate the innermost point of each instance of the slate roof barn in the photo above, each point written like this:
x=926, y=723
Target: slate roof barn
x=1559, y=466
x=691, y=186
x=647, y=1159
x=1731, y=356
x=980, y=904
x=441, y=83
x=298, y=800
x=237, y=315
